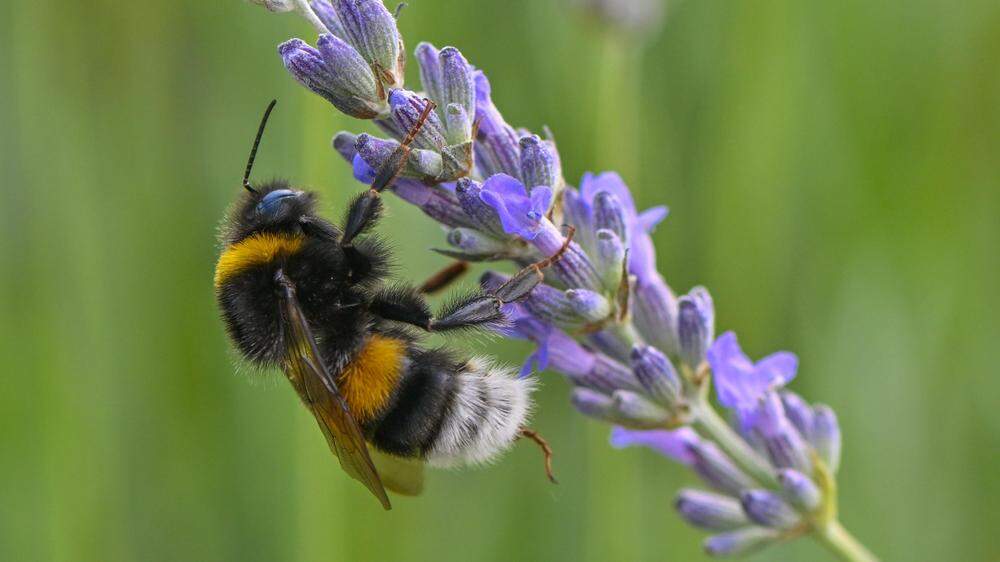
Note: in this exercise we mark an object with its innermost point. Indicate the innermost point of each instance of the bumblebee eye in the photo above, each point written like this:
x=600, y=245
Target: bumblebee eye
x=272, y=201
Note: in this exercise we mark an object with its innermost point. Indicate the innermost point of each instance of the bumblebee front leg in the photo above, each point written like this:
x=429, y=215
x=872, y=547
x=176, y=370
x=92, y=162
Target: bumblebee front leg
x=366, y=208
x=406, y=304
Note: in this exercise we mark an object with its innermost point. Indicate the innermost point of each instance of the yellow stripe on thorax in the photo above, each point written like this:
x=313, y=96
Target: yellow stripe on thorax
x=368, y=380
x=256, y=249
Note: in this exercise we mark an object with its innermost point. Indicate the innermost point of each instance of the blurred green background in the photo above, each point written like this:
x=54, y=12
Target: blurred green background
x=832, y=170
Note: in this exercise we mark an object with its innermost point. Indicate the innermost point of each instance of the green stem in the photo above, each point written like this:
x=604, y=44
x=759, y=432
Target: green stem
x=711, y=423
x=306, y=11
x=840, y=541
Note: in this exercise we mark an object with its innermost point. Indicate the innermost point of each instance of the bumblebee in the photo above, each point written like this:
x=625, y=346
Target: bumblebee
x=300, y=293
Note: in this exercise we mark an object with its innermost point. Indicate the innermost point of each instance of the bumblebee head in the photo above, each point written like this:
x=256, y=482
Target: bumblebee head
x=274, y=206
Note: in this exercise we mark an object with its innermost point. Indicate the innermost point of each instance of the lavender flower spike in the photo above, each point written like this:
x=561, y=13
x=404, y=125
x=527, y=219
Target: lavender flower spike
x=336, y=72
x=635, y=355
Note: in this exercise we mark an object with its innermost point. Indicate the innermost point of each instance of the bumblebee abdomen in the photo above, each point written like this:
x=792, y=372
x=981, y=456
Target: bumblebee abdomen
x=451, y=412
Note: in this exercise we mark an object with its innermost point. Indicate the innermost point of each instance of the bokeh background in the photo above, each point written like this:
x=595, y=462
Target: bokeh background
x=833, y=170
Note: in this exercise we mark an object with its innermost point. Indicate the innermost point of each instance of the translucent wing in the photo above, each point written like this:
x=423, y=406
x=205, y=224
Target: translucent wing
x=318, y=390
x=400, y=475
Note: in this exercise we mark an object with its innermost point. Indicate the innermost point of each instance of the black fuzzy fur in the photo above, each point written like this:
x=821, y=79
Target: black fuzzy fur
x=343, y=295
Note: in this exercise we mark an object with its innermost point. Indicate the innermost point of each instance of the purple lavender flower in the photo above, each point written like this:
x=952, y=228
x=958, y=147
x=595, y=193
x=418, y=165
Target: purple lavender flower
x=784, y=444
x=800, y=490
x=497, y=149
x=447, y=77
x=826, y=436
x=768, y=509
x=368, y=27
x=738, y=543
x=740, y=383
x=336, y=72
x=695, y=326
x=521, y=213
x=673, y=444
x=636, y=355
x=713, y=512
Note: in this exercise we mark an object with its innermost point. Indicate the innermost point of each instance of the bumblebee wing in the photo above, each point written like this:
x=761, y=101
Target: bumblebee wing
x=318, y=390
x=401, y=475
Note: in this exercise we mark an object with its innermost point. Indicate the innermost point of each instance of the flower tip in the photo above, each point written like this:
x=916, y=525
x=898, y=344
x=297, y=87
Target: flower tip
x=530, y=141
x=397, y=97
x=288, y=48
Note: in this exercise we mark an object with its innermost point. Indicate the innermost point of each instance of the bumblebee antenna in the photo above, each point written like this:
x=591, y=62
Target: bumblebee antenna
x=256, y=143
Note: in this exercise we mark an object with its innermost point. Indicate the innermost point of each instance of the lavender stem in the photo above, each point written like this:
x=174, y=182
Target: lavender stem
x=306, y=11
x=708, y=420
x=840, y=541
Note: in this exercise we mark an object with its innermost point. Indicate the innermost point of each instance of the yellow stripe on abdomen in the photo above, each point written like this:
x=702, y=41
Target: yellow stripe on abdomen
x=368, y=380
x=258, y=249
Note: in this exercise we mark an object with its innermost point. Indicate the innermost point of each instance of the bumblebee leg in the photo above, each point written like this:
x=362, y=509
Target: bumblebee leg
x=366, y=208
x=406, y=304
x=546, y=450
x=445, y=277
x=401, y=303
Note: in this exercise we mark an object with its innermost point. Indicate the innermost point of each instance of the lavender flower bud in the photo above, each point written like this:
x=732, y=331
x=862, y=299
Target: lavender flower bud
x=475, y=243
x=576, y=270
x=610, y=215
x=710, y=511
x=738, y=543
x=336, y=72
x=343, y=142
x=768, y=509
x=610, y=259
x=798, y=412
x=459, y=87
x=421, y=164
x=785, y=446
x=435, y=201
x=655, y=312
x=406, y=109
x=717, y=470
x=590, y=306
x=369, y=27
x=656, y=374
x=592, y=403
x=328, y=16
x=481, y=214
x=826, y=436
x=569, y=357
x=496, y=148
x=636, y=412
x=695, y=326
x=447, y=78
x=429, y=59
x=577, y=212
x=612, y=343
x=799, y=489
x=553, y=306
x=539, y=163
x=605, y=375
